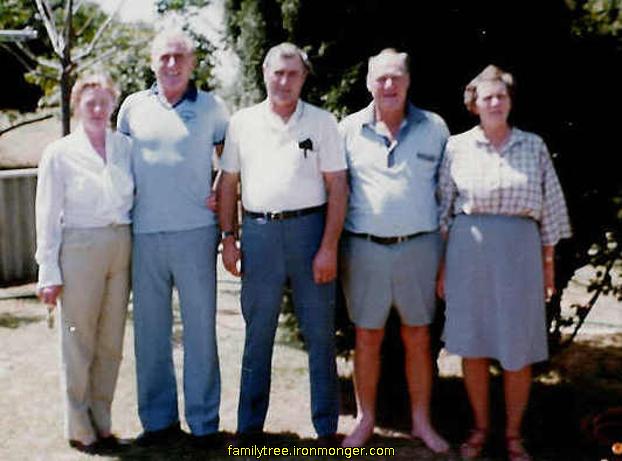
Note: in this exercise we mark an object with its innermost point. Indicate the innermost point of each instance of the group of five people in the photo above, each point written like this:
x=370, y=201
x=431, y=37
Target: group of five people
x=408, y=212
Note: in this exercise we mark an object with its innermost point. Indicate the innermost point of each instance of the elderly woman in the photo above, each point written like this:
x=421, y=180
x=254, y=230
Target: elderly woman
x=84, y=196
x=504, y=211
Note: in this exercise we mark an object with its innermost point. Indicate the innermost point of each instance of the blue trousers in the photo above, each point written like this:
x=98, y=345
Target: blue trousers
x=187, y=260
x=273, y=252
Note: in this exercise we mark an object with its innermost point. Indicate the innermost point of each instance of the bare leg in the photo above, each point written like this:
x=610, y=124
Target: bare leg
x=418, y=366
x=477, y=383
x=516, y=386
x=366, y=374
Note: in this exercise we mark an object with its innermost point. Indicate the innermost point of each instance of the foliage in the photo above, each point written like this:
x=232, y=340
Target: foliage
x=566, y=58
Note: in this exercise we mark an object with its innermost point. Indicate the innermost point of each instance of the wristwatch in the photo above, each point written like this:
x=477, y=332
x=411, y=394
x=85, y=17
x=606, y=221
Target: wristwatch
x=229, y=233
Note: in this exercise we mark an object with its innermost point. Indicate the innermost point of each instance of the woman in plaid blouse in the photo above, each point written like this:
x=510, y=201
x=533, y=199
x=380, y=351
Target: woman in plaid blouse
x=503, y=211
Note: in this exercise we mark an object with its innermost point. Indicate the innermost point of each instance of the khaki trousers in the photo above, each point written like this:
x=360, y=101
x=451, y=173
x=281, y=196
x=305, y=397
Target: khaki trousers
x=96, y=265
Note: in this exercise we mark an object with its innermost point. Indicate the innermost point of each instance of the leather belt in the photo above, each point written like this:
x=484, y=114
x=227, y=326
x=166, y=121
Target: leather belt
x=281, y=215
x=384, y=240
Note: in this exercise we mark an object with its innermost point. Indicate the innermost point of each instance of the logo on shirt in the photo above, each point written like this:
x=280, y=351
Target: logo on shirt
x=188, y=115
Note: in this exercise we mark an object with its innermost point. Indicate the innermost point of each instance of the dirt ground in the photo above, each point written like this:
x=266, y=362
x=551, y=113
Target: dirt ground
x=583, y=381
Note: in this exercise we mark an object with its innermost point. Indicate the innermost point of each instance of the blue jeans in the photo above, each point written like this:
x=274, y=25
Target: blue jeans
x=273, y=252
x=187, y=260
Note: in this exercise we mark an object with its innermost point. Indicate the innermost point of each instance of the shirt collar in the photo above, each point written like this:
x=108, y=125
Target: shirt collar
x=413, y=115
x=191, y=93
x=84, y=144
x=516, y=136
x=276, y=119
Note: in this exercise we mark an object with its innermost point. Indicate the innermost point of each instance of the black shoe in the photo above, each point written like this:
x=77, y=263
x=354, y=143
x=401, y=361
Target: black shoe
x=329, y=441
x=248, y=439
x=112, y=443
x=208, y=441
x=90, y=449
x=160, y=437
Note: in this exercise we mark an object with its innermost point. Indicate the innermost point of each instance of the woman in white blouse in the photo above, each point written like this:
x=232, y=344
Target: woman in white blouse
x=504, y=211
x=84, y=197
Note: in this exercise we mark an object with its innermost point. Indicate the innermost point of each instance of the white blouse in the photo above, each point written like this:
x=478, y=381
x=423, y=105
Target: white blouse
x=76, y=188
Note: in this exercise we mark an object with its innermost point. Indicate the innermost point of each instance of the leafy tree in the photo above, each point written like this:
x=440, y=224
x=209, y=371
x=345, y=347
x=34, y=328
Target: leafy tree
x=566, y=56
x=74, y=36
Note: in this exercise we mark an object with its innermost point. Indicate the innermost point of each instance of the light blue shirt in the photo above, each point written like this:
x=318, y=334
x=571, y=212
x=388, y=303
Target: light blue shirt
x=393, y=186
x=172, y=157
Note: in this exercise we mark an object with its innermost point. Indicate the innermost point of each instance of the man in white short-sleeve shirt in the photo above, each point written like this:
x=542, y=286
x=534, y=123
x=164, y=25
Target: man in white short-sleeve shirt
x=289, y=158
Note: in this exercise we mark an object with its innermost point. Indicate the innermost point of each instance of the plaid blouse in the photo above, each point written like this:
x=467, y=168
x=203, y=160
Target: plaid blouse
x=520, y=180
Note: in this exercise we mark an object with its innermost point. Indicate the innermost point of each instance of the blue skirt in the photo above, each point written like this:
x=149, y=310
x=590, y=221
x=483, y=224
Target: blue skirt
x=494, y=290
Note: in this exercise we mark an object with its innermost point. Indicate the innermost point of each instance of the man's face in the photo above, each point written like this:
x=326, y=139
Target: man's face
x=172, y=64
x=388, y=83
x=284, y=77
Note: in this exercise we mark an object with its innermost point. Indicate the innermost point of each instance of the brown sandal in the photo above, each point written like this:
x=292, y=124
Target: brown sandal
x=515, y=449
x=473, y=446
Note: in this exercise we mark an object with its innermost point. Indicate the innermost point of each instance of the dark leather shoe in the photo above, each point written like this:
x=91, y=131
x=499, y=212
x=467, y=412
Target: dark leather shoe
x=329, y=441
x=112, y=443
x=90, y=449
x=207, y=441
x=160, y=437
x=248, y=439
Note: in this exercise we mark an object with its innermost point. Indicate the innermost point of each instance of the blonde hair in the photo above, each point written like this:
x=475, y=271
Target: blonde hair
x=99, y=80
x=491, y=73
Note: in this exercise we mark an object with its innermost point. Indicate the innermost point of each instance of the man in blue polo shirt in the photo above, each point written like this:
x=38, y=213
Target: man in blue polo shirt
x=174, y=128
x=391, y=246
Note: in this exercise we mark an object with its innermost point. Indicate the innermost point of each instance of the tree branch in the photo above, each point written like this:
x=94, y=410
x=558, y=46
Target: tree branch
x=85, y=64
x=43, y=7
x=38, y=59
x=25, y=122
x=89, y=49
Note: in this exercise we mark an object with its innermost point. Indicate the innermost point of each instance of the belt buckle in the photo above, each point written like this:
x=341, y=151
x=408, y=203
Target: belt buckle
x=401, y=239
x=273, y=215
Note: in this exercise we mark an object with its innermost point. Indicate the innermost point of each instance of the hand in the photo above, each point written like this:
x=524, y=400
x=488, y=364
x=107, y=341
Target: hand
x=325, y=265
x=440, y=281
x=549, y=281
x=49, y=295
x=211, y=201
x=231, y=255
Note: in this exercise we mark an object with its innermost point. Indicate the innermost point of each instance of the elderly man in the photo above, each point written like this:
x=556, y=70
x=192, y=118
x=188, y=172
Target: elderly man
x=174, y=128
x=289, y=157
x=391, y=246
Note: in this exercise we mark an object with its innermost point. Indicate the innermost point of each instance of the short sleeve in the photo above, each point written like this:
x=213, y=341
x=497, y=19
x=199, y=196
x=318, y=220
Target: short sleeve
x=230, y=158
x=221, y=120
x=332, y=153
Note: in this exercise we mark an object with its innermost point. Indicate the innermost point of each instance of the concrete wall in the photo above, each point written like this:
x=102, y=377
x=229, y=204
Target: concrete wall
x=17, y=226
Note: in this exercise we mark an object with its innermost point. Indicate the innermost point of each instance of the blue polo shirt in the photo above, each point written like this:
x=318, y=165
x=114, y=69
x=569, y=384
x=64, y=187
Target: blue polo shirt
x=393, y=185
x=172, y=157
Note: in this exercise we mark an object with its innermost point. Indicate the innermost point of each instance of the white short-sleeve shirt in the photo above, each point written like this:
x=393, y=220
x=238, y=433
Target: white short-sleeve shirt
x=281, y=164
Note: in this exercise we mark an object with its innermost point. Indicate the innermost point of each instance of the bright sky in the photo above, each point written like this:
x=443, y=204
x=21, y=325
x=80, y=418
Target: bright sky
x=132, y=10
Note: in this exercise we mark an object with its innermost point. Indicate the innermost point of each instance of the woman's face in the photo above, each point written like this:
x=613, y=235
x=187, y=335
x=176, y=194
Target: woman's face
x=95, y=107
x=493, y=103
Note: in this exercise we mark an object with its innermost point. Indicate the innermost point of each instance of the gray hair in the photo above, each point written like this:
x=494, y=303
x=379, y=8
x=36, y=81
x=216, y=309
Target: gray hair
x=172, y=35
x=387, y=53
x=286, y=50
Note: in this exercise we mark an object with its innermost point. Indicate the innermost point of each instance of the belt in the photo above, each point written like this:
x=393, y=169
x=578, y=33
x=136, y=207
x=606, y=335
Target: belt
x=384, y=240
x=281, y=215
